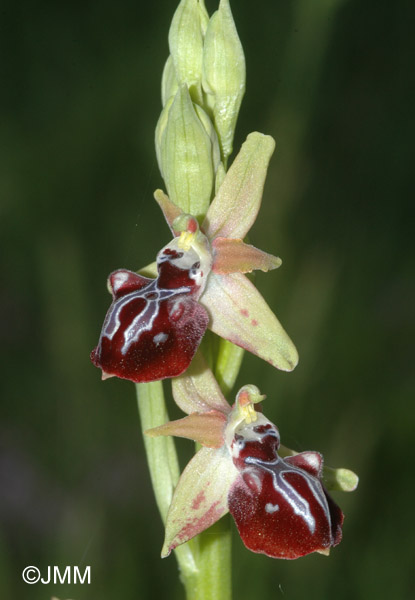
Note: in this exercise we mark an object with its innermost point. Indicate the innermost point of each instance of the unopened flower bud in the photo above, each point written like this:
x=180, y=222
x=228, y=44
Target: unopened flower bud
x=185, y=154
x=186, y=44
x=223, y=74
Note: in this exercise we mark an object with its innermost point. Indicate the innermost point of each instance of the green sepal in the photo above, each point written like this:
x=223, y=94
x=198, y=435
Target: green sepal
x=239, y=314
x=237, y=202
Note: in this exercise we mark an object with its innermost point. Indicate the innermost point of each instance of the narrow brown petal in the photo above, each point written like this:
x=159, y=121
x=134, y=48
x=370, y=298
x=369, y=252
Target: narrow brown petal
x=205, y=428
x=170, y=210
x=233, y=255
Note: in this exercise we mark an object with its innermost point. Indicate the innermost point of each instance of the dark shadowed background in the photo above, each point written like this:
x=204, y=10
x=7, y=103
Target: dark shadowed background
x=331, y=81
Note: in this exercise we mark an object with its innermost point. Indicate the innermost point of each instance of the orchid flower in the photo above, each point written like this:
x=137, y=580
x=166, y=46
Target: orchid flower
x=154, y=326
x=278, y=502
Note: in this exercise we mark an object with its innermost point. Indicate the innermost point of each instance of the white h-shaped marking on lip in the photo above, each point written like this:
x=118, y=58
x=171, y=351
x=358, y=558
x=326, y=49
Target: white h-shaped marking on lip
x=145, y=319
x=299, y=505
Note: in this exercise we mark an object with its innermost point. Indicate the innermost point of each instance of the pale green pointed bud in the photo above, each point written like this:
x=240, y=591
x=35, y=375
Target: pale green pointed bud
x=186, y=45
x=169, y=83
x=223, y=74
x=185, y=155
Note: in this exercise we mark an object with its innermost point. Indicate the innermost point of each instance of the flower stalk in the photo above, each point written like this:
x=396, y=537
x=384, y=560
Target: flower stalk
x=156, y=328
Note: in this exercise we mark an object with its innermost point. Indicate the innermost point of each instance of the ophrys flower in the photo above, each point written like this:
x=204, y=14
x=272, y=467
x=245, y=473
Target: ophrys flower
x=278, y=502
x=154, y=326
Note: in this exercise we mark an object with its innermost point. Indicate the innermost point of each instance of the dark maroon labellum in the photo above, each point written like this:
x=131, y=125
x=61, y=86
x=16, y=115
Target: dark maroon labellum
x=153, y=326
x=279, y=505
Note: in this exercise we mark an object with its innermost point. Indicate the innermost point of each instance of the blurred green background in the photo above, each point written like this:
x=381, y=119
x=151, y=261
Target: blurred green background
x=332, y=82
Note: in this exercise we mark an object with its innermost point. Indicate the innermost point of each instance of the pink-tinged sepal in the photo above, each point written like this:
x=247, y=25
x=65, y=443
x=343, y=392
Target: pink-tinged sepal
x=279, y=505
x=154, y=326
x=239, y=314
x=201, y=496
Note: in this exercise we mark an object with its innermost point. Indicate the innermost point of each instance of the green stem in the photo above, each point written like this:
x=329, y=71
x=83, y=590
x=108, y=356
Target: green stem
x=214, y=580
x=228, y=364
x=164, y=471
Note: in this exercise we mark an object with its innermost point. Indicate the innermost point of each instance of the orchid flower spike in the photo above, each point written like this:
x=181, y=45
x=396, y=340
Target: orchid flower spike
x=154, y=326
x=280, y=505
